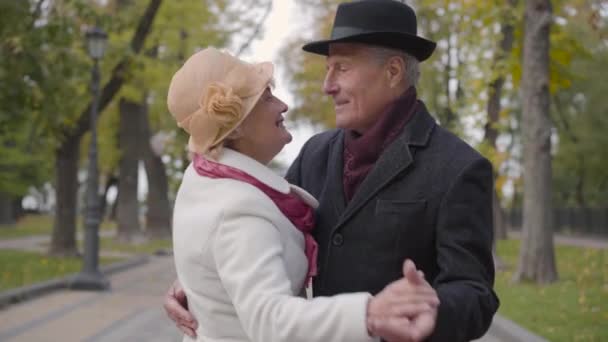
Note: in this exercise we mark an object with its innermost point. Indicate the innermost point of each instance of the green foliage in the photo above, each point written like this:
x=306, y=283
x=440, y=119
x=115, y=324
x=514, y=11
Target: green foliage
x=45, y=72
x=579, y=107
x=463, y=59
x=180, y=29
x=573, y=309
x=469, y=35
x=45, y=76
x=42, y=71
x=445, y=83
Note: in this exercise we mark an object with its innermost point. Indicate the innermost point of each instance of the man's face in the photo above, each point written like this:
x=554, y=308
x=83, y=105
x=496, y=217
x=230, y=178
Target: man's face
x=358, y=84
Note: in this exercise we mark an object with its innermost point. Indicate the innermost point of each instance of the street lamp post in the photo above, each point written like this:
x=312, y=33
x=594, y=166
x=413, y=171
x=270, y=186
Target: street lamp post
x=90, y=278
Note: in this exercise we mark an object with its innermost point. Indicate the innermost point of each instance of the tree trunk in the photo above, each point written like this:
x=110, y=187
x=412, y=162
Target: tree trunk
x=6, y=209
x=494, y=107
x=500, y=229
x=580, y=184
x=496, y=86
x=537, y=255
x=500, y=222
x=63, y=240
x=66, y=189
x=17, y=205
x=129, y=138
x=158, y=215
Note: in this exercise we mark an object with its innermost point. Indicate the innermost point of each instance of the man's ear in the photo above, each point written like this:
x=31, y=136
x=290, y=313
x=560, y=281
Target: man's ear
x=395, y=71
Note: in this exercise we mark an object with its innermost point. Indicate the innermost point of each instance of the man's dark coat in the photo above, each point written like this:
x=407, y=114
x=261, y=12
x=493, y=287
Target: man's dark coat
x=428, y=198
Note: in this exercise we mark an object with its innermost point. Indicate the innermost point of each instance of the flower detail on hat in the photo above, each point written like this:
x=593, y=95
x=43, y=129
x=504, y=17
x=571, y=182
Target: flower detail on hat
x=222, y=105
x=220, y=110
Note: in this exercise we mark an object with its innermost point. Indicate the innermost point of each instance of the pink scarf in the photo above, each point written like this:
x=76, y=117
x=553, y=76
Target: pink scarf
x=292, y=206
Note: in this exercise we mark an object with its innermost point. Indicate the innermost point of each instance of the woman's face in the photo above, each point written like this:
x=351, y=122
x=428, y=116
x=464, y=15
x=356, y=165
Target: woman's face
x=262, y=135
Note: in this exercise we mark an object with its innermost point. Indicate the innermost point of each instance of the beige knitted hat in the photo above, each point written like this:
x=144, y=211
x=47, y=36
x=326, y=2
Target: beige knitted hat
x=212, y=93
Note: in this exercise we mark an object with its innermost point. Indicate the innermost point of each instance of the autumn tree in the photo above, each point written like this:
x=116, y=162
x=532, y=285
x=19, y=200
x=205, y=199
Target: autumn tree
x=537, y=255
x=63, y=240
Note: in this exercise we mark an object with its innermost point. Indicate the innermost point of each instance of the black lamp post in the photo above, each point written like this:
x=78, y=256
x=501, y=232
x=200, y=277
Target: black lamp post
x=90, y=278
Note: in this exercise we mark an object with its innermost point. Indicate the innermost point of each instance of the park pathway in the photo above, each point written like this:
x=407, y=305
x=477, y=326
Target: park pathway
x=131, y=311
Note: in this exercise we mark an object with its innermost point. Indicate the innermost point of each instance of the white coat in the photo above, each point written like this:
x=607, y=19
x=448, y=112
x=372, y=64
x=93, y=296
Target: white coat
x=242, y=265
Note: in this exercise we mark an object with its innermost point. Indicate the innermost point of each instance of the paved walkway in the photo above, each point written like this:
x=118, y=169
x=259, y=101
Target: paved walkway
x=130, y=312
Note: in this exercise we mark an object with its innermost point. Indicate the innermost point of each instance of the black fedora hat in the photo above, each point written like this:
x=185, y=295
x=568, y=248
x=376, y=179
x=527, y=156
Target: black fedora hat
x=387, y=23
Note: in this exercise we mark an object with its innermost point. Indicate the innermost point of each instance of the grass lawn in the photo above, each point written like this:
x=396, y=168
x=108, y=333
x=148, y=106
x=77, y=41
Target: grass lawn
x=20, y=268
x=573, y=309
x=38, y=225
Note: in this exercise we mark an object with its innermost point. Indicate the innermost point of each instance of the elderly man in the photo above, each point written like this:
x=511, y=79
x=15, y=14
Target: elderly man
x=392, y=184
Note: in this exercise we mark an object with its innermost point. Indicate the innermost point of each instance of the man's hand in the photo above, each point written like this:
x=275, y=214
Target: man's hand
x=406, y=310
x=176, y=307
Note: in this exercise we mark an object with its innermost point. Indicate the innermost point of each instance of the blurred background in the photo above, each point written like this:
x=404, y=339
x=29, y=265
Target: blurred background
x=551, y=229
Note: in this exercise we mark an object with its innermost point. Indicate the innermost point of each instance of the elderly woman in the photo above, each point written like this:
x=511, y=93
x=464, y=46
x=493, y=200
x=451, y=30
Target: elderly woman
x=241, y=234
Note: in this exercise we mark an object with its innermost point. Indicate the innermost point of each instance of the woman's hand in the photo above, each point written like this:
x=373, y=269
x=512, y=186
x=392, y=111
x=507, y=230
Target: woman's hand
x=176, y=307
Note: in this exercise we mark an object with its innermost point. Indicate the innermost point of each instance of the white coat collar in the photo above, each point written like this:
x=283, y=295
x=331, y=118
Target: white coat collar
x=264, y=174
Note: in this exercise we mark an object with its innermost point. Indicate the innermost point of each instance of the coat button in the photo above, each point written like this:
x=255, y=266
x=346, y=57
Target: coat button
x=338, y=239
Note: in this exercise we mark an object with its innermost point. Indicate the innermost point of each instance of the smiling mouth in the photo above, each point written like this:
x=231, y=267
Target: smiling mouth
x=279, y=122
x=340, y=104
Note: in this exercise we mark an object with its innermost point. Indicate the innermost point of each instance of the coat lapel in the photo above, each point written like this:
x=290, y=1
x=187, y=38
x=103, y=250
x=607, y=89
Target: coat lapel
x=396, y=159
x=335, y=187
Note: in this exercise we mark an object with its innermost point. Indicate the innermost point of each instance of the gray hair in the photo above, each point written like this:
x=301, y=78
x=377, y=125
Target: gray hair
x=412, y=67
